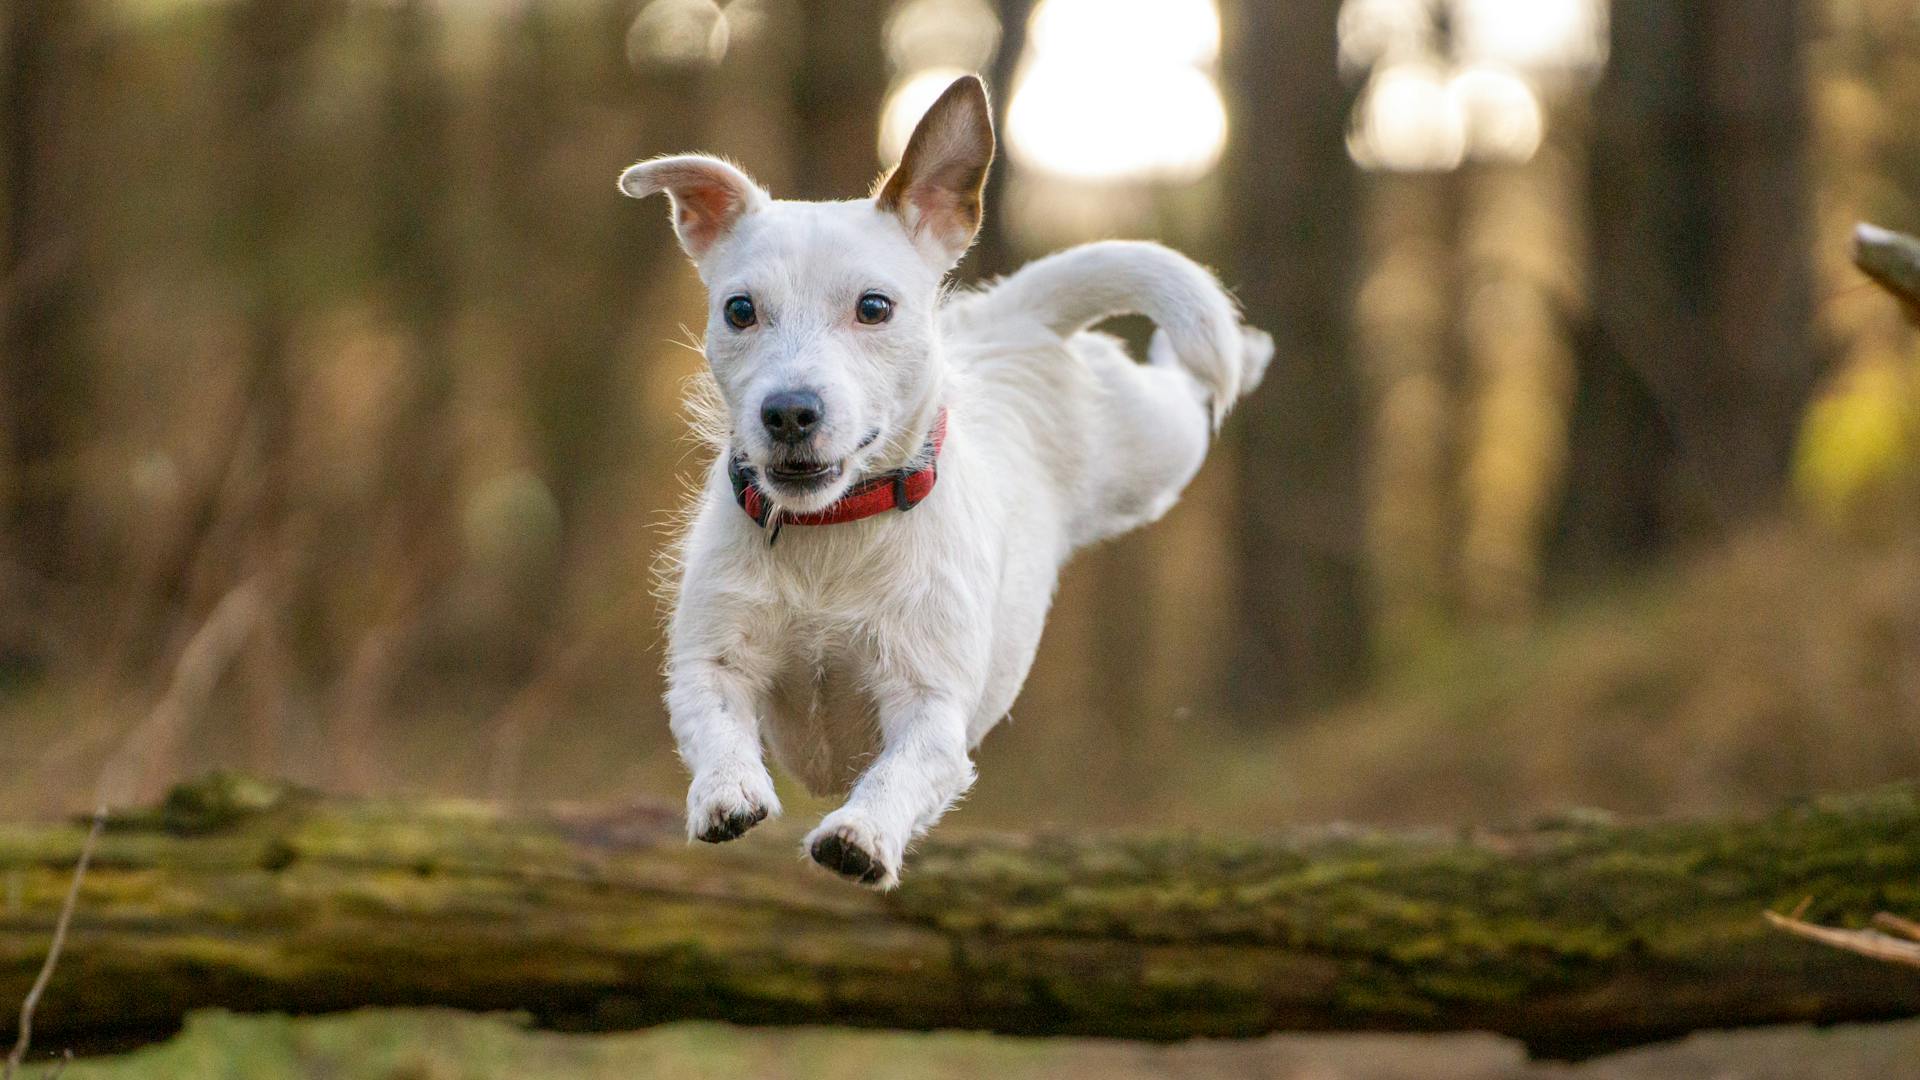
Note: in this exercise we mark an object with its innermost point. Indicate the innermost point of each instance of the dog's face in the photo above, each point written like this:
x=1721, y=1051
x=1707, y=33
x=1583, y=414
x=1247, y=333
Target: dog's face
x=822, y=317
x=820, y=332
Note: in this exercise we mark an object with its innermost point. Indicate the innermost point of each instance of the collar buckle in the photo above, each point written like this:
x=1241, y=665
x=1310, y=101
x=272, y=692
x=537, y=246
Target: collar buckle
x=903, y=499
x=746, y=491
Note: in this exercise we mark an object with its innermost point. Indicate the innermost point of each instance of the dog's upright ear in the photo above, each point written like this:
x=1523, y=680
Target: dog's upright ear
x=935, y=191
x=709, y=196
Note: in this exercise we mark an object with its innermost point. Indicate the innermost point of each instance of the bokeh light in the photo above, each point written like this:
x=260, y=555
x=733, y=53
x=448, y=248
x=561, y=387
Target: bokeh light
x=1408, y=121
x=1120, y=91
x=678, y=32
x=1126, y=32
x=1536, y=36
x=1461, y=80
x=1500, y=112
x=908, y=102
x=1376, y=32
x=942, y=33
x=1163, y=124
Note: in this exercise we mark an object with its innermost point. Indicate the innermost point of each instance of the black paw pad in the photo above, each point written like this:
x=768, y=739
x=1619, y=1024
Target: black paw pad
x=846, y=858
x=734, y=825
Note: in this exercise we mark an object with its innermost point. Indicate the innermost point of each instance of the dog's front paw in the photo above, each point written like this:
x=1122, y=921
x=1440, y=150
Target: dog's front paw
x=851, y=848
x=723, y=807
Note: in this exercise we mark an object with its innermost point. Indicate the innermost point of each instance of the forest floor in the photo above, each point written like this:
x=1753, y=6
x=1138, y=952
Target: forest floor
x=431, y=1045
x=1783, y=663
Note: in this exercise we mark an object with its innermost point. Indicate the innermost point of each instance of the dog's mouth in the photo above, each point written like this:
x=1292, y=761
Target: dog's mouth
x=802, y=476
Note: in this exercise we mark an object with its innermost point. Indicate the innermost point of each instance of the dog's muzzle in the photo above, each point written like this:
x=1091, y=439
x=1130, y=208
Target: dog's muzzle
x=900, y=489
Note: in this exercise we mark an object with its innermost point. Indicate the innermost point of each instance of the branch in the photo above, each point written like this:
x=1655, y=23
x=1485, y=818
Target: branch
x=23, y=1037
x=1575, y=936
x=1891, y=938
x=201, y=662
x=1871, y=943
x=1893, y=260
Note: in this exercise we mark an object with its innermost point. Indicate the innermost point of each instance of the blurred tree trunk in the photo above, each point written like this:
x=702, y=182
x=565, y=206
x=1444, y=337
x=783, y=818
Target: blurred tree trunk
x=42, y=380
x=1700, y=360
x=271, y=41
x=238, y=524
x=1455, y=191
x=408, y=557
x=538, y=425
x=416, y=258
x=839, y=88
x=267, y=534
x=551, y=204
x=664, y=108
x=996, y=255
x=1292, y=221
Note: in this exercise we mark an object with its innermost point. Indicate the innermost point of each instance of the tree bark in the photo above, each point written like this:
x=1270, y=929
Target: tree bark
x=43, y=387
x=1298, y=442
x=1701, y=361
x=996, y=254
x=1576, y=936
x=839, y=89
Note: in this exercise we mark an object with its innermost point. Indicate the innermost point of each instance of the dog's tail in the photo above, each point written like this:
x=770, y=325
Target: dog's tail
x=1198, y=323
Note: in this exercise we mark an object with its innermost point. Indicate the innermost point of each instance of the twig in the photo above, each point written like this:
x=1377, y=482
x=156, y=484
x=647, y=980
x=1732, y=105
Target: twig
x=201, y=663
x=1871, y=943
x=1893, y=260
x=53, y=951
x=1894, y=924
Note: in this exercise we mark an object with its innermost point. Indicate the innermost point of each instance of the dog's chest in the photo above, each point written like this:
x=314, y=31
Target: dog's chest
x=822, y=723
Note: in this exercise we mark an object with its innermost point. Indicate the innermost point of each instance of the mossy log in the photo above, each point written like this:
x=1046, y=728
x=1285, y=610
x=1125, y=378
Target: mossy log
x=1574, y=935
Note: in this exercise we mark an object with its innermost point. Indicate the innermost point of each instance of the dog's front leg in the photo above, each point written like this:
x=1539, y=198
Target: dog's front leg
x=921, y=769
x=715, y=709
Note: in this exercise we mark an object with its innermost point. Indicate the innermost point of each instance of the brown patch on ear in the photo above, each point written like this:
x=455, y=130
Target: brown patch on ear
x=699, y=211
x=936, y=188
x=708, y=195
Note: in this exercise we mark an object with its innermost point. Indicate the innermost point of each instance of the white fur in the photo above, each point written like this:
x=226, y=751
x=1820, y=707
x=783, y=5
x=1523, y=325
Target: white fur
x=873, y=656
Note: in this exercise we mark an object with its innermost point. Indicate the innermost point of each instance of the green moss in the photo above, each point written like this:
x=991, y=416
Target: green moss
x=220, y=801
x=302, y=902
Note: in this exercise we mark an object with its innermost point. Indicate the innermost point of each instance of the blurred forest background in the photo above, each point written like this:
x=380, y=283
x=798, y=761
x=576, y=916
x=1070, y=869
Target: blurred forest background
x=1587, y=474
x=339, y=424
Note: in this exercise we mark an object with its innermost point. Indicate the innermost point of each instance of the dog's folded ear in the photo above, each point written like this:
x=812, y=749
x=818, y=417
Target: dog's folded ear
x=709, y=196
x=935, y=191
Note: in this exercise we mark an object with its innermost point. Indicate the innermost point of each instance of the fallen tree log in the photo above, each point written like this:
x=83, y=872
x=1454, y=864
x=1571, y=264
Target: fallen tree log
x=1574, y=935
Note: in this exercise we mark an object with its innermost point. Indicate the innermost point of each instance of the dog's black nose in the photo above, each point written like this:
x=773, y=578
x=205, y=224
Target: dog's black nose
x=792, y=416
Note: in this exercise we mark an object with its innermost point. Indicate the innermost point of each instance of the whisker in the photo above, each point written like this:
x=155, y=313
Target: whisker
x=693, y=341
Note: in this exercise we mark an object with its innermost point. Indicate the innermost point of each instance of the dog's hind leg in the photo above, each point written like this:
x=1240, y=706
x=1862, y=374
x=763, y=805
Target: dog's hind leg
x=1161, y=413
x=1151, y=424
x=922, y=768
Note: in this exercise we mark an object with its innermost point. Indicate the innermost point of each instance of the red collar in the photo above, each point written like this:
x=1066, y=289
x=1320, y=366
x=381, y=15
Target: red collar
x=900, y=489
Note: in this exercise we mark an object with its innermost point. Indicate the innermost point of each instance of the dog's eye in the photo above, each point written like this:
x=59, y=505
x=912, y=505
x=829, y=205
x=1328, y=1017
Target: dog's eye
x=739, y=312
x=873, y=309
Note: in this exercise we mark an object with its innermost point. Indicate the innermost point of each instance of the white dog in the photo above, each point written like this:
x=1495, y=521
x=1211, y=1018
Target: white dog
x=870, y=646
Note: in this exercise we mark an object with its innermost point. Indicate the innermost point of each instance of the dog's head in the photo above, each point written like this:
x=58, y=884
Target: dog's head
x=822, y=317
